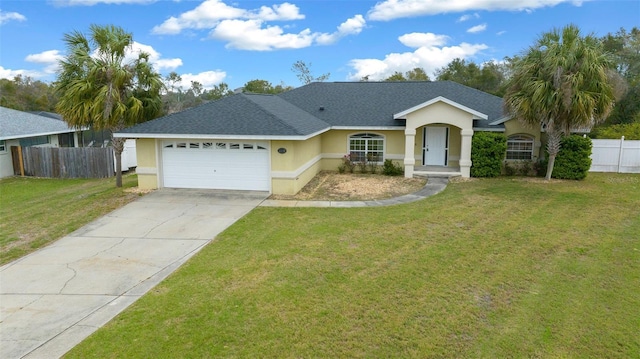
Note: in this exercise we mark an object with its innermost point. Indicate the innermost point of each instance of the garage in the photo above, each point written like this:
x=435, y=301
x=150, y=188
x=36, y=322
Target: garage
x=231, y=165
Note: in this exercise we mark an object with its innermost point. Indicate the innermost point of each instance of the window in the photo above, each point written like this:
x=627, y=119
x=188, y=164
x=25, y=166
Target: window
x=366, y=147
x=34, y=141
x=3, y=146
x=520, y=147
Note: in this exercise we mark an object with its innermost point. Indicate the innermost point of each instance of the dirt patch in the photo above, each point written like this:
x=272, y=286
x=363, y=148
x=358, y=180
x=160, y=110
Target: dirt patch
x=332, y=186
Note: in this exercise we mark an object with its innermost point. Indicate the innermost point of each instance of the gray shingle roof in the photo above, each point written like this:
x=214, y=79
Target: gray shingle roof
x=298, y=112
x=375, y=103
x=19, y=124
x=237, y=115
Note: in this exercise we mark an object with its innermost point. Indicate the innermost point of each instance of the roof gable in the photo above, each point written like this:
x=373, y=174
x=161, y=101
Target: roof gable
x=477, y=114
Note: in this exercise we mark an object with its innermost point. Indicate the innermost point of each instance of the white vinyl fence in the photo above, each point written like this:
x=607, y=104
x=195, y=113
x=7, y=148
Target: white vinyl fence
x=129, y=159
x=615, y=156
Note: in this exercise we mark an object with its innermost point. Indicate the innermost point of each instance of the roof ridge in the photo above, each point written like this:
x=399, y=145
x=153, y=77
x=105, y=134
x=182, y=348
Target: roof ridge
x=284, y=122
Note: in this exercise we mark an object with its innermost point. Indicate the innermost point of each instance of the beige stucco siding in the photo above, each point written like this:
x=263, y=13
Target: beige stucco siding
x=335, y=144
x=147, y=163
x=292, y=170
x=439, y=110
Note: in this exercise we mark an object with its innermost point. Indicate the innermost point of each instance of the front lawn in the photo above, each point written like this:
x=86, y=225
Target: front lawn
x=493, y=268
x=36, y=211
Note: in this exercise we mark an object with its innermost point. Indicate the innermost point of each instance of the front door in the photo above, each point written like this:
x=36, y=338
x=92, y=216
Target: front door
x=435, y=146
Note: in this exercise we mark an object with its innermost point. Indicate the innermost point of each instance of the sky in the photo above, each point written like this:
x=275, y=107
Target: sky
x=214, y=41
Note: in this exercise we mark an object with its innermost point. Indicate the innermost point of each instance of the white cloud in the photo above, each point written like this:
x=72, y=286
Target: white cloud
x=248, y=29
x=250, y=35
x=501, y=32
x=477, y=28
x=95, y=2
x=155, y=58
x=430, y=54
x=10, y=74
x=208, y=79
x=467, y=17
x=352, y=26
x=9, y=16
x=419, y=39
x=210, y=13
x=395, y=9
x=280, y=12
x=49, y=59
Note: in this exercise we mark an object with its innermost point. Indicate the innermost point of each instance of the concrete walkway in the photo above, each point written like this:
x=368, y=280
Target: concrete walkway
x=434, y=185
x=55, y=297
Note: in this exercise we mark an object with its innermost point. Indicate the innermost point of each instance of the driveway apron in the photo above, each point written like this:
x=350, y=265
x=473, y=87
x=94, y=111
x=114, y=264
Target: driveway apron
x=55, y=297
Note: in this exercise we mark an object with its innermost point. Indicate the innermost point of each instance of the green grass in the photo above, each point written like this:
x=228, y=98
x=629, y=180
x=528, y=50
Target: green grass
x=37, y=211
x=494, y=268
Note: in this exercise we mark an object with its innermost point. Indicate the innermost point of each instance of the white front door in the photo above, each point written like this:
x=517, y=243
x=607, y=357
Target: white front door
x=435, y=146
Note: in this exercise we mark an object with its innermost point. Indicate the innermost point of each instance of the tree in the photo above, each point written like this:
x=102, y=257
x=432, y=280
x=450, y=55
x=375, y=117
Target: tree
x=625, y=47
x=99, y=88
x=217, y=92
x=264, y=86
x=397, y=76
x=172, y=99
x=561, y=82
x=490, y=77
x=303, y=73
x=417, y=74
x=24, y=94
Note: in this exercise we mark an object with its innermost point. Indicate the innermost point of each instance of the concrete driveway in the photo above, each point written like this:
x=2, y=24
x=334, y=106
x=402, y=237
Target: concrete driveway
x=52, y=299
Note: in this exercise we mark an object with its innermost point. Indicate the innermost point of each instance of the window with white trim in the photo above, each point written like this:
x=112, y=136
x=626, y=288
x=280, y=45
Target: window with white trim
x=520, y=147
x=366, y=147
x=3, y=146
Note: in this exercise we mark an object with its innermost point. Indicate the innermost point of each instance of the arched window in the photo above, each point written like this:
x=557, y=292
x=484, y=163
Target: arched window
x=367, y=147
x=520, y=147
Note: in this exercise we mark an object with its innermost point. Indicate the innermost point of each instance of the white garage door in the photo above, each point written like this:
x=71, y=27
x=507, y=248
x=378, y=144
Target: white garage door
x=239, y=165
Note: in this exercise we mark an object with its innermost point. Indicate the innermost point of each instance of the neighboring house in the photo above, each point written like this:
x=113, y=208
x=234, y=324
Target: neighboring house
x=18, y=128
x=277, y=143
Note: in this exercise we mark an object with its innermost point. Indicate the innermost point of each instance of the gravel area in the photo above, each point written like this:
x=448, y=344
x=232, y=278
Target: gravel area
x=332, y=186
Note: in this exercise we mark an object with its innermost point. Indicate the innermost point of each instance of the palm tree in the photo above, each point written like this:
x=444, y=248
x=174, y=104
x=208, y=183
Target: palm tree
x=564, y=81
x=100, y=87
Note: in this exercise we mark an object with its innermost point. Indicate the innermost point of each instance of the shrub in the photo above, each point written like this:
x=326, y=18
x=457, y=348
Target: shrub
x=362, y=166
x=573, y=161
x=630, y=131
x=509, y=169
x=519, y=167
x=391, y=169
x=373, y=167
x=540, y=168
x=487, y=153
x=346, y=165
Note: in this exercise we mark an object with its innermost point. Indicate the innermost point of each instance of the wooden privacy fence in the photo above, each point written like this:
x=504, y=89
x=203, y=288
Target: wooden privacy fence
x=63, y=162
x=615, y=156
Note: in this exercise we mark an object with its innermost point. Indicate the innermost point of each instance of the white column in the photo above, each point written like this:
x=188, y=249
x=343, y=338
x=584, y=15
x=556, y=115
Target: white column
x=465, y=152
x=409, y=156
